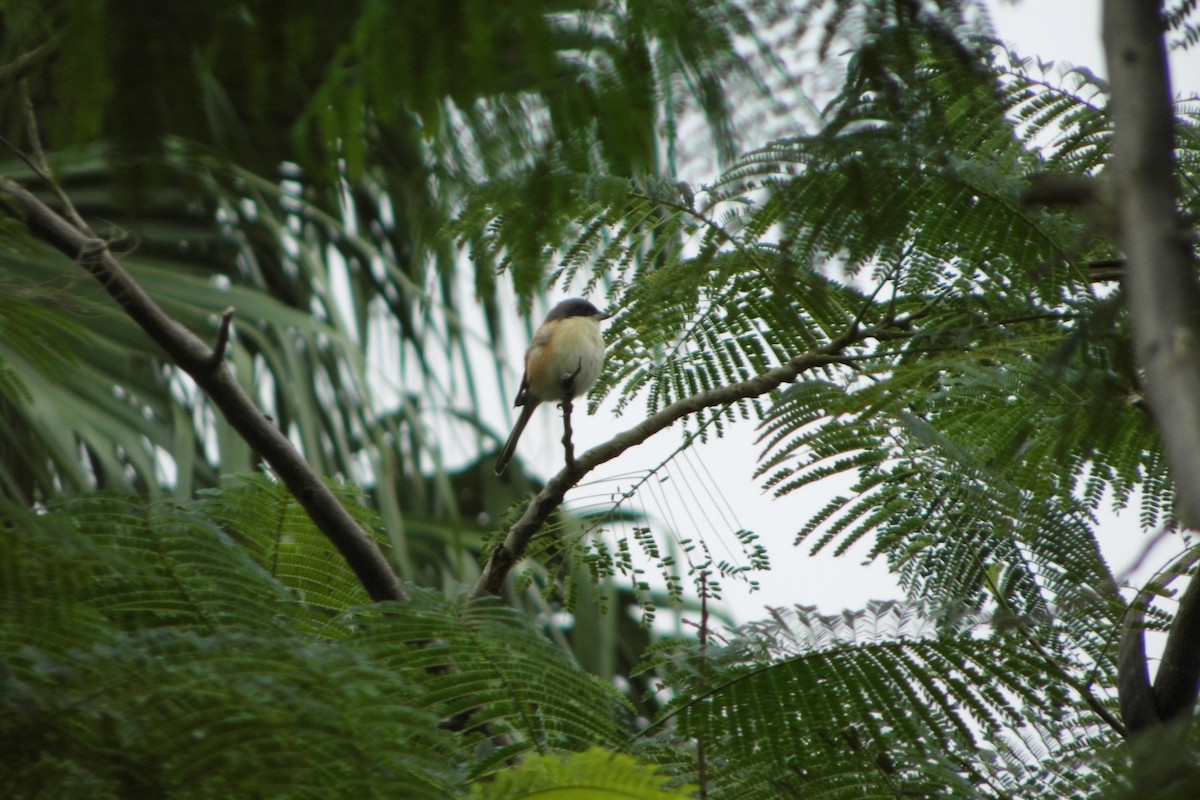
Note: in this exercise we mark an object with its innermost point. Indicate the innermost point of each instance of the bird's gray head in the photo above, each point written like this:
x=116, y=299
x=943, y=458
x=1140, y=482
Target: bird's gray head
x=575, y=307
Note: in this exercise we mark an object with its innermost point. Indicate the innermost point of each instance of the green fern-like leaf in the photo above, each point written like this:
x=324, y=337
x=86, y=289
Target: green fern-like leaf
x=591, y=775
x=481, y=664
x=144, y=653
x=869, y=704
x=264, y=518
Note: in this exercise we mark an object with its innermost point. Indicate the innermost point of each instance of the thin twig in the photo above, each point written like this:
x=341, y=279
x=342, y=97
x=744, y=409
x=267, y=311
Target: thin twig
x=25, y=63
x=568, y=444
x=701, y=759
x=567, y=385
x=222, y=343
x=40, y=165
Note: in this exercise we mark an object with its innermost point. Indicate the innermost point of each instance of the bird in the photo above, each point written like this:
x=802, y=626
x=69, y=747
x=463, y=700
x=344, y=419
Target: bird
x=563, y=362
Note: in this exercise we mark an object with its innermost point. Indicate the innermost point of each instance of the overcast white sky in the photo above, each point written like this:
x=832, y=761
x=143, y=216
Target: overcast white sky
x=708, y=493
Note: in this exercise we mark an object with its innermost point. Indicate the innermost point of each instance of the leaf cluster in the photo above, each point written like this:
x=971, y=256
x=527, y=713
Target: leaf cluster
x=214, y=648
x=876, y=703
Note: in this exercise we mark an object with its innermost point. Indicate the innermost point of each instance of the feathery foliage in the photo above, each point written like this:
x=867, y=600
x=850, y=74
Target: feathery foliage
x=986, y=404
x=479, y=664
x=593, y=774
x=145, y=653
x=163, y=648
x=325, y=172
x=873, y=704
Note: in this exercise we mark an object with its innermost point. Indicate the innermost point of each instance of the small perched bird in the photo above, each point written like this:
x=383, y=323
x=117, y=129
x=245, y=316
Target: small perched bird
x=562, y=363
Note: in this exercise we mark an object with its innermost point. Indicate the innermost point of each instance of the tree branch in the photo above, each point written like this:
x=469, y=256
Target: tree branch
x=1161, y=290
x=506, y=555
x=1134, y=692
x=208, y=370
x=1179, y=668
x=27, y=62
x=568, y=405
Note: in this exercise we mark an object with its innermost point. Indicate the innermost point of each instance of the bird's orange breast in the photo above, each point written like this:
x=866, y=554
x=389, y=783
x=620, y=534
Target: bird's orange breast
x=572, y=349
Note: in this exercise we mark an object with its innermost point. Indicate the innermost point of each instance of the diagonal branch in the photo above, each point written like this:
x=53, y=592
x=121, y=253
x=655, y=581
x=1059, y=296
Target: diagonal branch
x=1135, y=695
x=28, y=61
x=1179, y=668
x=209, y=372
x=506, y=555
x=1163, y=302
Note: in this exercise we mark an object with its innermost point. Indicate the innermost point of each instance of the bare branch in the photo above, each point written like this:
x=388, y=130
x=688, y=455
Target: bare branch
x=506, y=555
x=1134, y=693
x=206, y=367
x=1179, y=668
x=218, y=351
x=1160, y=282
x=568, y=405
x=1161, y=290
x=36, y=159
x=27, y=62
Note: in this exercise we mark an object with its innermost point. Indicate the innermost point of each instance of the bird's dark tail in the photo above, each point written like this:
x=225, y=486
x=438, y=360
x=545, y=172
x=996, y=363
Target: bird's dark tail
x=510, y=447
